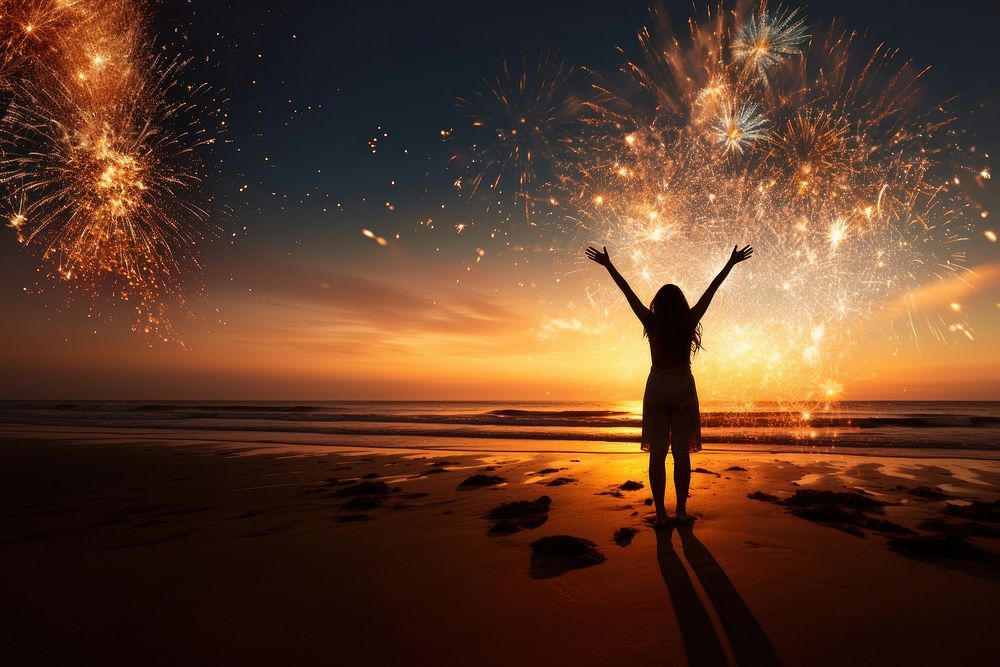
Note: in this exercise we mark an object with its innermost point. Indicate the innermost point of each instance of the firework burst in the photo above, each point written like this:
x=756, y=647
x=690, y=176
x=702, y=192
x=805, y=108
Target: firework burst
x=833, y=167
x=766, y=38
x=737, y=128
x=812, y=147
x=828, y=162
x=100, y=157
x=520, y=125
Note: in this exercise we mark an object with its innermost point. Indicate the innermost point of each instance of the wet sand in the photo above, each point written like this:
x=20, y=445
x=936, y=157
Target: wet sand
x=124, y=552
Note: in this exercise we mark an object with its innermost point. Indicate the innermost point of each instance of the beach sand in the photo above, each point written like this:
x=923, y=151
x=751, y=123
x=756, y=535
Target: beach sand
x=120, y=550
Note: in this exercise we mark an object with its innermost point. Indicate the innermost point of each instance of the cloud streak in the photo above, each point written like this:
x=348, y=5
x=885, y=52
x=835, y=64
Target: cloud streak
x=333, y=312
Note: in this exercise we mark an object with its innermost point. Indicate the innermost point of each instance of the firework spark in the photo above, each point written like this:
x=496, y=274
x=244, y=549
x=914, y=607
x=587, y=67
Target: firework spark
x=766, y=38
x=31, y=30
x=519, y=125
x=99, y=159
x=737, y=128
x=812, y=146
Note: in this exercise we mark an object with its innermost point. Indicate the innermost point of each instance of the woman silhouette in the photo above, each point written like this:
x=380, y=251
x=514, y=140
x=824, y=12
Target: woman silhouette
x=670, y=402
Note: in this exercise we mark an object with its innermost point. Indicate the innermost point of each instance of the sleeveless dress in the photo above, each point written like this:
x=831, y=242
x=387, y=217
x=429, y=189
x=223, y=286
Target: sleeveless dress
x=670, y=414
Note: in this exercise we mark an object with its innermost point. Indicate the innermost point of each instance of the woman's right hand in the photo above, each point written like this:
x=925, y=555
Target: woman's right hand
x=598, y=256
x=740, y=255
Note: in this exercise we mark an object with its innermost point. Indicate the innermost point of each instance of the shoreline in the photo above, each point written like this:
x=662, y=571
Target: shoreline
x=182, y=436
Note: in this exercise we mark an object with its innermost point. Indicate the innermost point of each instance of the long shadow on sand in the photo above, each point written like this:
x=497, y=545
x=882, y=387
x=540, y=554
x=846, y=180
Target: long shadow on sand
x=750, y=645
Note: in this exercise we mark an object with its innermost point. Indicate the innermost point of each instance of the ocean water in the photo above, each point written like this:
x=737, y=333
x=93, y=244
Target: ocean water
x=970, y=426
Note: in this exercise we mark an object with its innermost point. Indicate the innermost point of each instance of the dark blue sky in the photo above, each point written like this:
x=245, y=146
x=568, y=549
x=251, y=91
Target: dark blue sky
x=309, y=84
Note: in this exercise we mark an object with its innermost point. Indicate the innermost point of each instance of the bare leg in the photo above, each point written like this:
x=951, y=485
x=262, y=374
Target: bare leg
x=682, y=479
x=658, y=482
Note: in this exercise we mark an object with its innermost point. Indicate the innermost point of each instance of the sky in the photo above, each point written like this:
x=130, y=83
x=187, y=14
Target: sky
x=334, y=115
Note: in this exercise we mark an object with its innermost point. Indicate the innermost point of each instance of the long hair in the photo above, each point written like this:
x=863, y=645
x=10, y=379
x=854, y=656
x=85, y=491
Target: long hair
x=671, y=328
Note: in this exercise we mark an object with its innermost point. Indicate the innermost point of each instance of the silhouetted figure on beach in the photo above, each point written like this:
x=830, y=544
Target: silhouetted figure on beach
x=670, y=404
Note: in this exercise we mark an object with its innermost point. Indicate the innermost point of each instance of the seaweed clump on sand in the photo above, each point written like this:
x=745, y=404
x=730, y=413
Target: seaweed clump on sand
x=950, y=540
x=947, y=545
x=854, y=500
x=363, y=503
x=977, y=510
x=365, y=495
x=623, y=536
x=479, y=480
x=520, y=514
x=558, y=554
x=965, y=528
x=844, y=510
x=927, y=492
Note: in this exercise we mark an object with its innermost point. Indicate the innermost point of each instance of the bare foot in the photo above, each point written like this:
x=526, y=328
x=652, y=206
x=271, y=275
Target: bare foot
x=683, y=517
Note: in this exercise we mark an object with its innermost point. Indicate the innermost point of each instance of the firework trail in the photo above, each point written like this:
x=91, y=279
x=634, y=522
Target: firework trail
x=99, y=158
x=746, y=129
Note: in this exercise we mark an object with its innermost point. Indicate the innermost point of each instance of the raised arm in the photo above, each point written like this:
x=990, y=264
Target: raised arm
x=698, y=311
x=637, y=306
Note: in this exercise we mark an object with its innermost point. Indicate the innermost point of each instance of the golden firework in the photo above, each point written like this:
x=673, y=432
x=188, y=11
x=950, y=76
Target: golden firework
x=825, y=160
x=99, y=160
x=833, y=170
x=738, y=127
x=767, y=37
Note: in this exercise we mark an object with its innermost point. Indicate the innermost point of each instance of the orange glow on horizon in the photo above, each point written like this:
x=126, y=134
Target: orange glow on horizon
x=340, y=336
